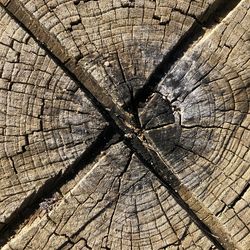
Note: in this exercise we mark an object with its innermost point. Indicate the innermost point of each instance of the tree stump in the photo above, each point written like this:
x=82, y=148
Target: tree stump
x=124, y=124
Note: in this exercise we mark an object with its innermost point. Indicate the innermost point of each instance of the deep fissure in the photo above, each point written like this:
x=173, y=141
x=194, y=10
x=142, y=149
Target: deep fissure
x=53, y=185
x=119, y=126
x=218, y=10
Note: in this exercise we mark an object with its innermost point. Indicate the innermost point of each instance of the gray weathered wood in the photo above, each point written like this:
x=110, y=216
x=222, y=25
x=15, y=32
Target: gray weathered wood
x=118, y=204
x=119, y=42
x=124, y=124
x=210, y=88
x=46, y=121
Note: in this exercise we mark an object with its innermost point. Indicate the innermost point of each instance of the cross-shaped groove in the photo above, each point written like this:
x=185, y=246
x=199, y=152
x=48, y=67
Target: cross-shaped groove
x=121, y=120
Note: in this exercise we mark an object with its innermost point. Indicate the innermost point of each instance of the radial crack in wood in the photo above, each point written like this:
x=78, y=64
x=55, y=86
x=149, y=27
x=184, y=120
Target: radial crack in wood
x=69, y=65
x=118, y=204
x=161, y=126
x=119, y=42
x=46, y=121
x=191, y=135
x=216, y=12
x=210, y=88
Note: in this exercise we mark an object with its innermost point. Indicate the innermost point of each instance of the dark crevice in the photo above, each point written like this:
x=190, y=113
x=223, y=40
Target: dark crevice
x=193, y=126
x=233, y=203
x=51, y=186
x=152, y=161
x=217, y=11
x=76, y=2
x=26, y=143
x=128, y=4
x=68, y=244
x=10, y=85
x=160, y=126
x=74, y=23
x=14, y=167
x=156, y=17
x=41, y=114
x=79, y=57
x=112, y=114
x=122, y=73
x=86, y=243
x=239, y=197
x=221, y=210
x=132, y=108
x=78, y=21
x=18, y=56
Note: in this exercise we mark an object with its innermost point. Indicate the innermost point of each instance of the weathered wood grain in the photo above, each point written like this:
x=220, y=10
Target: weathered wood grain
x=180, y=178
x=209, y=92
x=118, y=204
x=46, y=121
x=119, y=42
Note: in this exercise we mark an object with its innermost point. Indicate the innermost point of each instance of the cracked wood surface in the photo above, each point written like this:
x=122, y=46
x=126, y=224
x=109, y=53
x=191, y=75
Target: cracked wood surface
x=118, y=204
x=46, y=121
x=119, y=42
x=68, y=69
x=210, y=88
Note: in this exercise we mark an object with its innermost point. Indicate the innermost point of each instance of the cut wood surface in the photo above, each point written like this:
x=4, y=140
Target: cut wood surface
x=46, y=120
x=124, y=124
x=118, y=204
x=119, y=42
x=210, y=88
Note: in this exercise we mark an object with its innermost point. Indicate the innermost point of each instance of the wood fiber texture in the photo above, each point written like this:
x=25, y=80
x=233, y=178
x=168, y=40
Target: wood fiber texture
x=124, y=124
